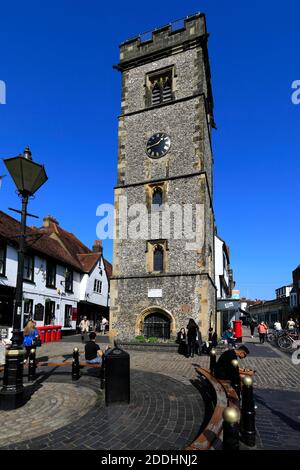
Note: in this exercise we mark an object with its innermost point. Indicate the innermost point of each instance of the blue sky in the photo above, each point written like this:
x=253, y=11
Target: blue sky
x=63, y=99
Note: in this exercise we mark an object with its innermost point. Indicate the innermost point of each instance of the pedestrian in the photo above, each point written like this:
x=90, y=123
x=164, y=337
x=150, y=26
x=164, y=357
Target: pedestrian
x=104, y=325
x=212, y=341
x=297, y=325
x=192, y=331
x=181, y=340
x=252, y=327
x=224, y=369
x=98, y=325
x=30, y=336
x=199, y=343
x=84, y=326
x=262, y=331
x=290, y=325
x=277, y=325
x=93, y=353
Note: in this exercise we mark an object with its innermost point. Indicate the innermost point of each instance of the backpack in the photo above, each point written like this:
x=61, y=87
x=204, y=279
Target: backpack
x=27, y=341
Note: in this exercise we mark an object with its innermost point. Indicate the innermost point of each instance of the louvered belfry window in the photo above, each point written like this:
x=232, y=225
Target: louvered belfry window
x=161, y=88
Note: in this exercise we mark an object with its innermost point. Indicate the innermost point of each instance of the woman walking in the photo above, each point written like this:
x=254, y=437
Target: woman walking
x=30, y=334
x=193, y=329
x=262, y=331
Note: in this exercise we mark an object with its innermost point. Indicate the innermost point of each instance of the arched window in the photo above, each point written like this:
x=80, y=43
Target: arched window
x=157, y=197
x=158, y=259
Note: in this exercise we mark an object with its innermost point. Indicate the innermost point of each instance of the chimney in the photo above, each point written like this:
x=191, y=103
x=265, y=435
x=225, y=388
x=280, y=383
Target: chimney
x=49, y=220
x=97, y=247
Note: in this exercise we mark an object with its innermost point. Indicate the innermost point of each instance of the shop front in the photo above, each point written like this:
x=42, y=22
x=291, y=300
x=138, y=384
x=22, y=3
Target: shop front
x=228, y=312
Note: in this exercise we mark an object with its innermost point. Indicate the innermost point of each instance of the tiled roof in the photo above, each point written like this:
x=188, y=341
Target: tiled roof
x=108, y=268
x=88, y=260
x=53, y=241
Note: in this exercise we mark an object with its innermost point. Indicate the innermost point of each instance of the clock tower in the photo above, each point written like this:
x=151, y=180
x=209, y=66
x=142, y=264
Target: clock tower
x=163, y=265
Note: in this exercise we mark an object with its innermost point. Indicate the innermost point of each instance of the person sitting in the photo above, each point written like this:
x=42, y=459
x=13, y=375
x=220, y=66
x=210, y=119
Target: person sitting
x=93, y=353
x=228, y=337
x=224, y=368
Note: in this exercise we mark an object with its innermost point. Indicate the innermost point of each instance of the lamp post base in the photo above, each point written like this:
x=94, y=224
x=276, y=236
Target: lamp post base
x=12, y=392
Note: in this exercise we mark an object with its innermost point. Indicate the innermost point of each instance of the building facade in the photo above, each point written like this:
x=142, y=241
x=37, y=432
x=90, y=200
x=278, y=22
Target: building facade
x=226, y=311
x=160, y=279
x=63, y=279
x=295, y=294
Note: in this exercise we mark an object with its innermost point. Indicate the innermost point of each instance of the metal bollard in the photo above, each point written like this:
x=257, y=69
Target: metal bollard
x=32, y=366
x=231, y=418
x=75, y=365
x=213, y=361
x=235, y=378
x=248, y=413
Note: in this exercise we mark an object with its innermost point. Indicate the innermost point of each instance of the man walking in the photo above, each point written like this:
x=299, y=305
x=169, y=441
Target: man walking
x=84, y=326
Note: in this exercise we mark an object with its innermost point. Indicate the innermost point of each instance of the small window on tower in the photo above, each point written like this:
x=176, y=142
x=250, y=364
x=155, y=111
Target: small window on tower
x=157, y=198
x=158, y=259
x=159, y=87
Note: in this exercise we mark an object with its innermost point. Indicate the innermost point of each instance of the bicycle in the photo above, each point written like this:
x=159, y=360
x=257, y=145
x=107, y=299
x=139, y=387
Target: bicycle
x=274, y=335
x=288, y=341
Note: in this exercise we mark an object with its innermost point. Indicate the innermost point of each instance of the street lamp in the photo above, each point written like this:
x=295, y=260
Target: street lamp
x=28, y=177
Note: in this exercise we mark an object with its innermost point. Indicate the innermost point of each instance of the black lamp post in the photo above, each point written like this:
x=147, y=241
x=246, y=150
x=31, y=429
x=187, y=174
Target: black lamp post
x=28, y=177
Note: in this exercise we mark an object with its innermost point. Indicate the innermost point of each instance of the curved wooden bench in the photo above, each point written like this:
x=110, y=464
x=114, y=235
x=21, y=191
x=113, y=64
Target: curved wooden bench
x=211, y=437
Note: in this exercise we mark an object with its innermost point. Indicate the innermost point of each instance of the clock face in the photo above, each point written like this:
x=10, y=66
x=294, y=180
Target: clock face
x=158, y=145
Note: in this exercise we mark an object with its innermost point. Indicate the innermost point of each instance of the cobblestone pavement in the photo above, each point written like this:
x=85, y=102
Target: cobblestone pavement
x=53, y=406
x=166, y=411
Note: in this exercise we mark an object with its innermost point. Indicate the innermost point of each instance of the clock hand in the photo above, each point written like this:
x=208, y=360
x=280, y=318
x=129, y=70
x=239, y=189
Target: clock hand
x=156, y=143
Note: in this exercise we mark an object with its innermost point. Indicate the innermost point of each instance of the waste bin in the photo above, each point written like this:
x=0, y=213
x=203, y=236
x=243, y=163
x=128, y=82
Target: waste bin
x=41, y=330
x=48, y=333
x=58, y=333
x=117, y=376
x=53, y=332
x=237, y=328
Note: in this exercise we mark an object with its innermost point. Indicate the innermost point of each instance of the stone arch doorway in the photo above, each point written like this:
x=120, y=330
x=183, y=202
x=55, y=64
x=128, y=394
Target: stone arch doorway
x=156, y=322
x=157, y=325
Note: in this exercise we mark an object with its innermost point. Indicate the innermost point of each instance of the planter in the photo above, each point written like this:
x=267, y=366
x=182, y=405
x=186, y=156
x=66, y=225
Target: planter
x=135, y=346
